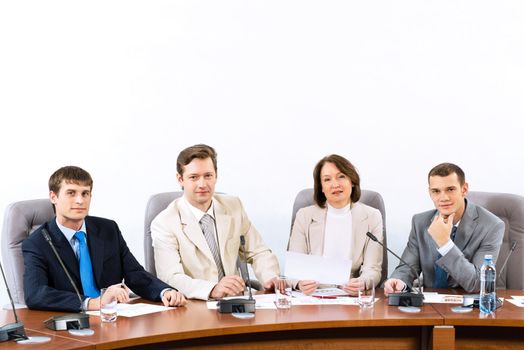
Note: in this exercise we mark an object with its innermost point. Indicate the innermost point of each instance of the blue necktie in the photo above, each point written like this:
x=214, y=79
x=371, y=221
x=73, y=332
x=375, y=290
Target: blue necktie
x=441, y=276
x=86, y=269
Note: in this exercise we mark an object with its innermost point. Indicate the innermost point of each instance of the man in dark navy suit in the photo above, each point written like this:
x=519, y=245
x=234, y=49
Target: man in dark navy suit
x=93, y=250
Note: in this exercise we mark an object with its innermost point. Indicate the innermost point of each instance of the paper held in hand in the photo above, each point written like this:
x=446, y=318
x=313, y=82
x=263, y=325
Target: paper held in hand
x=334, y=271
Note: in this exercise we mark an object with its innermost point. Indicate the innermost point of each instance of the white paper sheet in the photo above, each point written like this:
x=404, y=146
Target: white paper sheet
x=519, y=302
x=329, y=292
x=318, y=268
x=436, y=298
x=309, y=300
x=132, y=310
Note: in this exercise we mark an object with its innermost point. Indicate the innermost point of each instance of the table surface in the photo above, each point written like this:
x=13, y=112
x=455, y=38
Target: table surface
x=196, y=321
x=508, y=315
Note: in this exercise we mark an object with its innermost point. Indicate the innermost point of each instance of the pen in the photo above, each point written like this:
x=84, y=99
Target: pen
x=324, y=296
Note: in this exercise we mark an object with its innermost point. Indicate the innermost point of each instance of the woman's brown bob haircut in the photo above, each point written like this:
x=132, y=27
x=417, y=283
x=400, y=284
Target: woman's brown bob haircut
x=346, y=168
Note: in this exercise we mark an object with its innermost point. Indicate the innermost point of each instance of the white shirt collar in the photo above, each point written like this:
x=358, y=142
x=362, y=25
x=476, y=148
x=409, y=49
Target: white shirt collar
x=199, y=213
x=69, y=233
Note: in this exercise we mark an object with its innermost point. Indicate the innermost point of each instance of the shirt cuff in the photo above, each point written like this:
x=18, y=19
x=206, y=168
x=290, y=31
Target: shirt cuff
x=164, y=291
x=446, y=248
x=85, y=304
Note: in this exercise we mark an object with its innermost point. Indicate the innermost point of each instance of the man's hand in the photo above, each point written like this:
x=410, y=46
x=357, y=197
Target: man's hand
x=393, y=285
x=173, y=298
x=307, y=286
x=440, y=229
x=274, y=284
x=228, y=286
x=118, y=291
x=353, y=285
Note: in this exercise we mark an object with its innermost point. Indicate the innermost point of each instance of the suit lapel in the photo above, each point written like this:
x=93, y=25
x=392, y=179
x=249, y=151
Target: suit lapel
x=223, y=223
x=192, y=229
x=316, y=228
x=467, y=226
x=359, y=225
x=95, y=243
x=65, y=252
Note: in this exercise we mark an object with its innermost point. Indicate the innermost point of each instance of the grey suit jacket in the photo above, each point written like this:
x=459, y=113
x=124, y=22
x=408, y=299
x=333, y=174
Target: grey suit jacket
x=479, y=233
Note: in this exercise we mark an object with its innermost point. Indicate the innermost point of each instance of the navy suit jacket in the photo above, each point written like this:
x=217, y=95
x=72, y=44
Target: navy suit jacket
x=46, y=285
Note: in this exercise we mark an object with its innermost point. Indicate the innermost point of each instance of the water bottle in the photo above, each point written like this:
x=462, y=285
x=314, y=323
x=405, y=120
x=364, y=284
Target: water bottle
x=488, y=294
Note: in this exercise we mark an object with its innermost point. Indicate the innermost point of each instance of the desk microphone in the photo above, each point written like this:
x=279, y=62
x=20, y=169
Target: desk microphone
x=402, y=298
x=238, y=305
x=513, y=246
x=15, y=330
x=71, y=321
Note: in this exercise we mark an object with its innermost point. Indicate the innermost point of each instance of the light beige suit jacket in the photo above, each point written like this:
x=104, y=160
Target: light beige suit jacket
x=307, y=237
x=183, y=258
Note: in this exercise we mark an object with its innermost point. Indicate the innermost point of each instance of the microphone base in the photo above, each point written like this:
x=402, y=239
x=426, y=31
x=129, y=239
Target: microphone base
x=473, y=301
x=236, y=305
x=405, y=299
x=14, y=331
x=65, y=322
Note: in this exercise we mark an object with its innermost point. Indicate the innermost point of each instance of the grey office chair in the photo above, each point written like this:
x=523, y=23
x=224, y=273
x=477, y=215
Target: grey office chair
x=305, y=198
x=510, y=209
x=20, y=220
x=155, y=205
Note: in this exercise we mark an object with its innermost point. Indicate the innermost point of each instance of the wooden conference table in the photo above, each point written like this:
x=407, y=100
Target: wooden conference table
x=305, y=327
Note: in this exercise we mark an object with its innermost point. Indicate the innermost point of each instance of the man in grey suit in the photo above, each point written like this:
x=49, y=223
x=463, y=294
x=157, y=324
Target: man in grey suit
x=448, y=243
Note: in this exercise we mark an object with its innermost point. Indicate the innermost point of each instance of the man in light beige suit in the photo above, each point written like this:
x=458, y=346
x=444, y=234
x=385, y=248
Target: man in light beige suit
x=196, y=239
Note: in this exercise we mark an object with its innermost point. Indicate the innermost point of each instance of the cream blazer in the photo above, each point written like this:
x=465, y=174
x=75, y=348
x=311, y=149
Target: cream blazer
x=307, y=237
x=183, y=258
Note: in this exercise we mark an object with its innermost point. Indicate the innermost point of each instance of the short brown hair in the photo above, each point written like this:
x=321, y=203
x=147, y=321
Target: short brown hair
x=199, y=151
x=446, y=169
x=346, y=168
x=71, y=174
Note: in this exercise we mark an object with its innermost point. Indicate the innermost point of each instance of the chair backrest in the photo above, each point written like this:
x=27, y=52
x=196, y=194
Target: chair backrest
x=20, y=220
x=155, y=205
x=510, y=209
x=305, y=198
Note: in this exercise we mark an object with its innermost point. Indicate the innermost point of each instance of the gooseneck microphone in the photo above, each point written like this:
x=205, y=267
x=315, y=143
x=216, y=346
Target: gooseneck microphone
x=15, y=330
x=402, y=298
x=239, y=305
x=243, y=243
x=71, y=321
x=513, y=246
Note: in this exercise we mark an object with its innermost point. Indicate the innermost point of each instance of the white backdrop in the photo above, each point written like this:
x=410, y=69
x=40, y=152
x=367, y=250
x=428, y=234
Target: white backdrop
x=120, y=87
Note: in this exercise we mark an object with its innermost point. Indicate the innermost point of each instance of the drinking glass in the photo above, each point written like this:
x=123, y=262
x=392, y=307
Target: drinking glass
x=283, y=293
x=366, y=293
x=107, y=306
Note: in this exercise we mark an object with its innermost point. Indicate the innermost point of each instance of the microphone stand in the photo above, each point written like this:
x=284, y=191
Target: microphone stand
x=239, y=305
x=15, y=330
x=77, y=324
x=402, y=298
x=513, y=246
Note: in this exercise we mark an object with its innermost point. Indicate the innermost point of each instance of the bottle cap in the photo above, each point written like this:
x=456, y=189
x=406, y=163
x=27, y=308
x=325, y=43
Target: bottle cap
x=488, y=257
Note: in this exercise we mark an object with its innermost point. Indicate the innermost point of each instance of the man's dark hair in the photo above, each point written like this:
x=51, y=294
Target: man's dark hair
x=446, y=169
x=199, y=151
x=71, y=174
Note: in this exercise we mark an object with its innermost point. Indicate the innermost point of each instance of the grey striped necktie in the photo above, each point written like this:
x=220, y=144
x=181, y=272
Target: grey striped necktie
x=207, y=223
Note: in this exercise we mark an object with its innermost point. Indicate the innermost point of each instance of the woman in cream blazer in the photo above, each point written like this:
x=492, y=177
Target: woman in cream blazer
x=324, y=228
